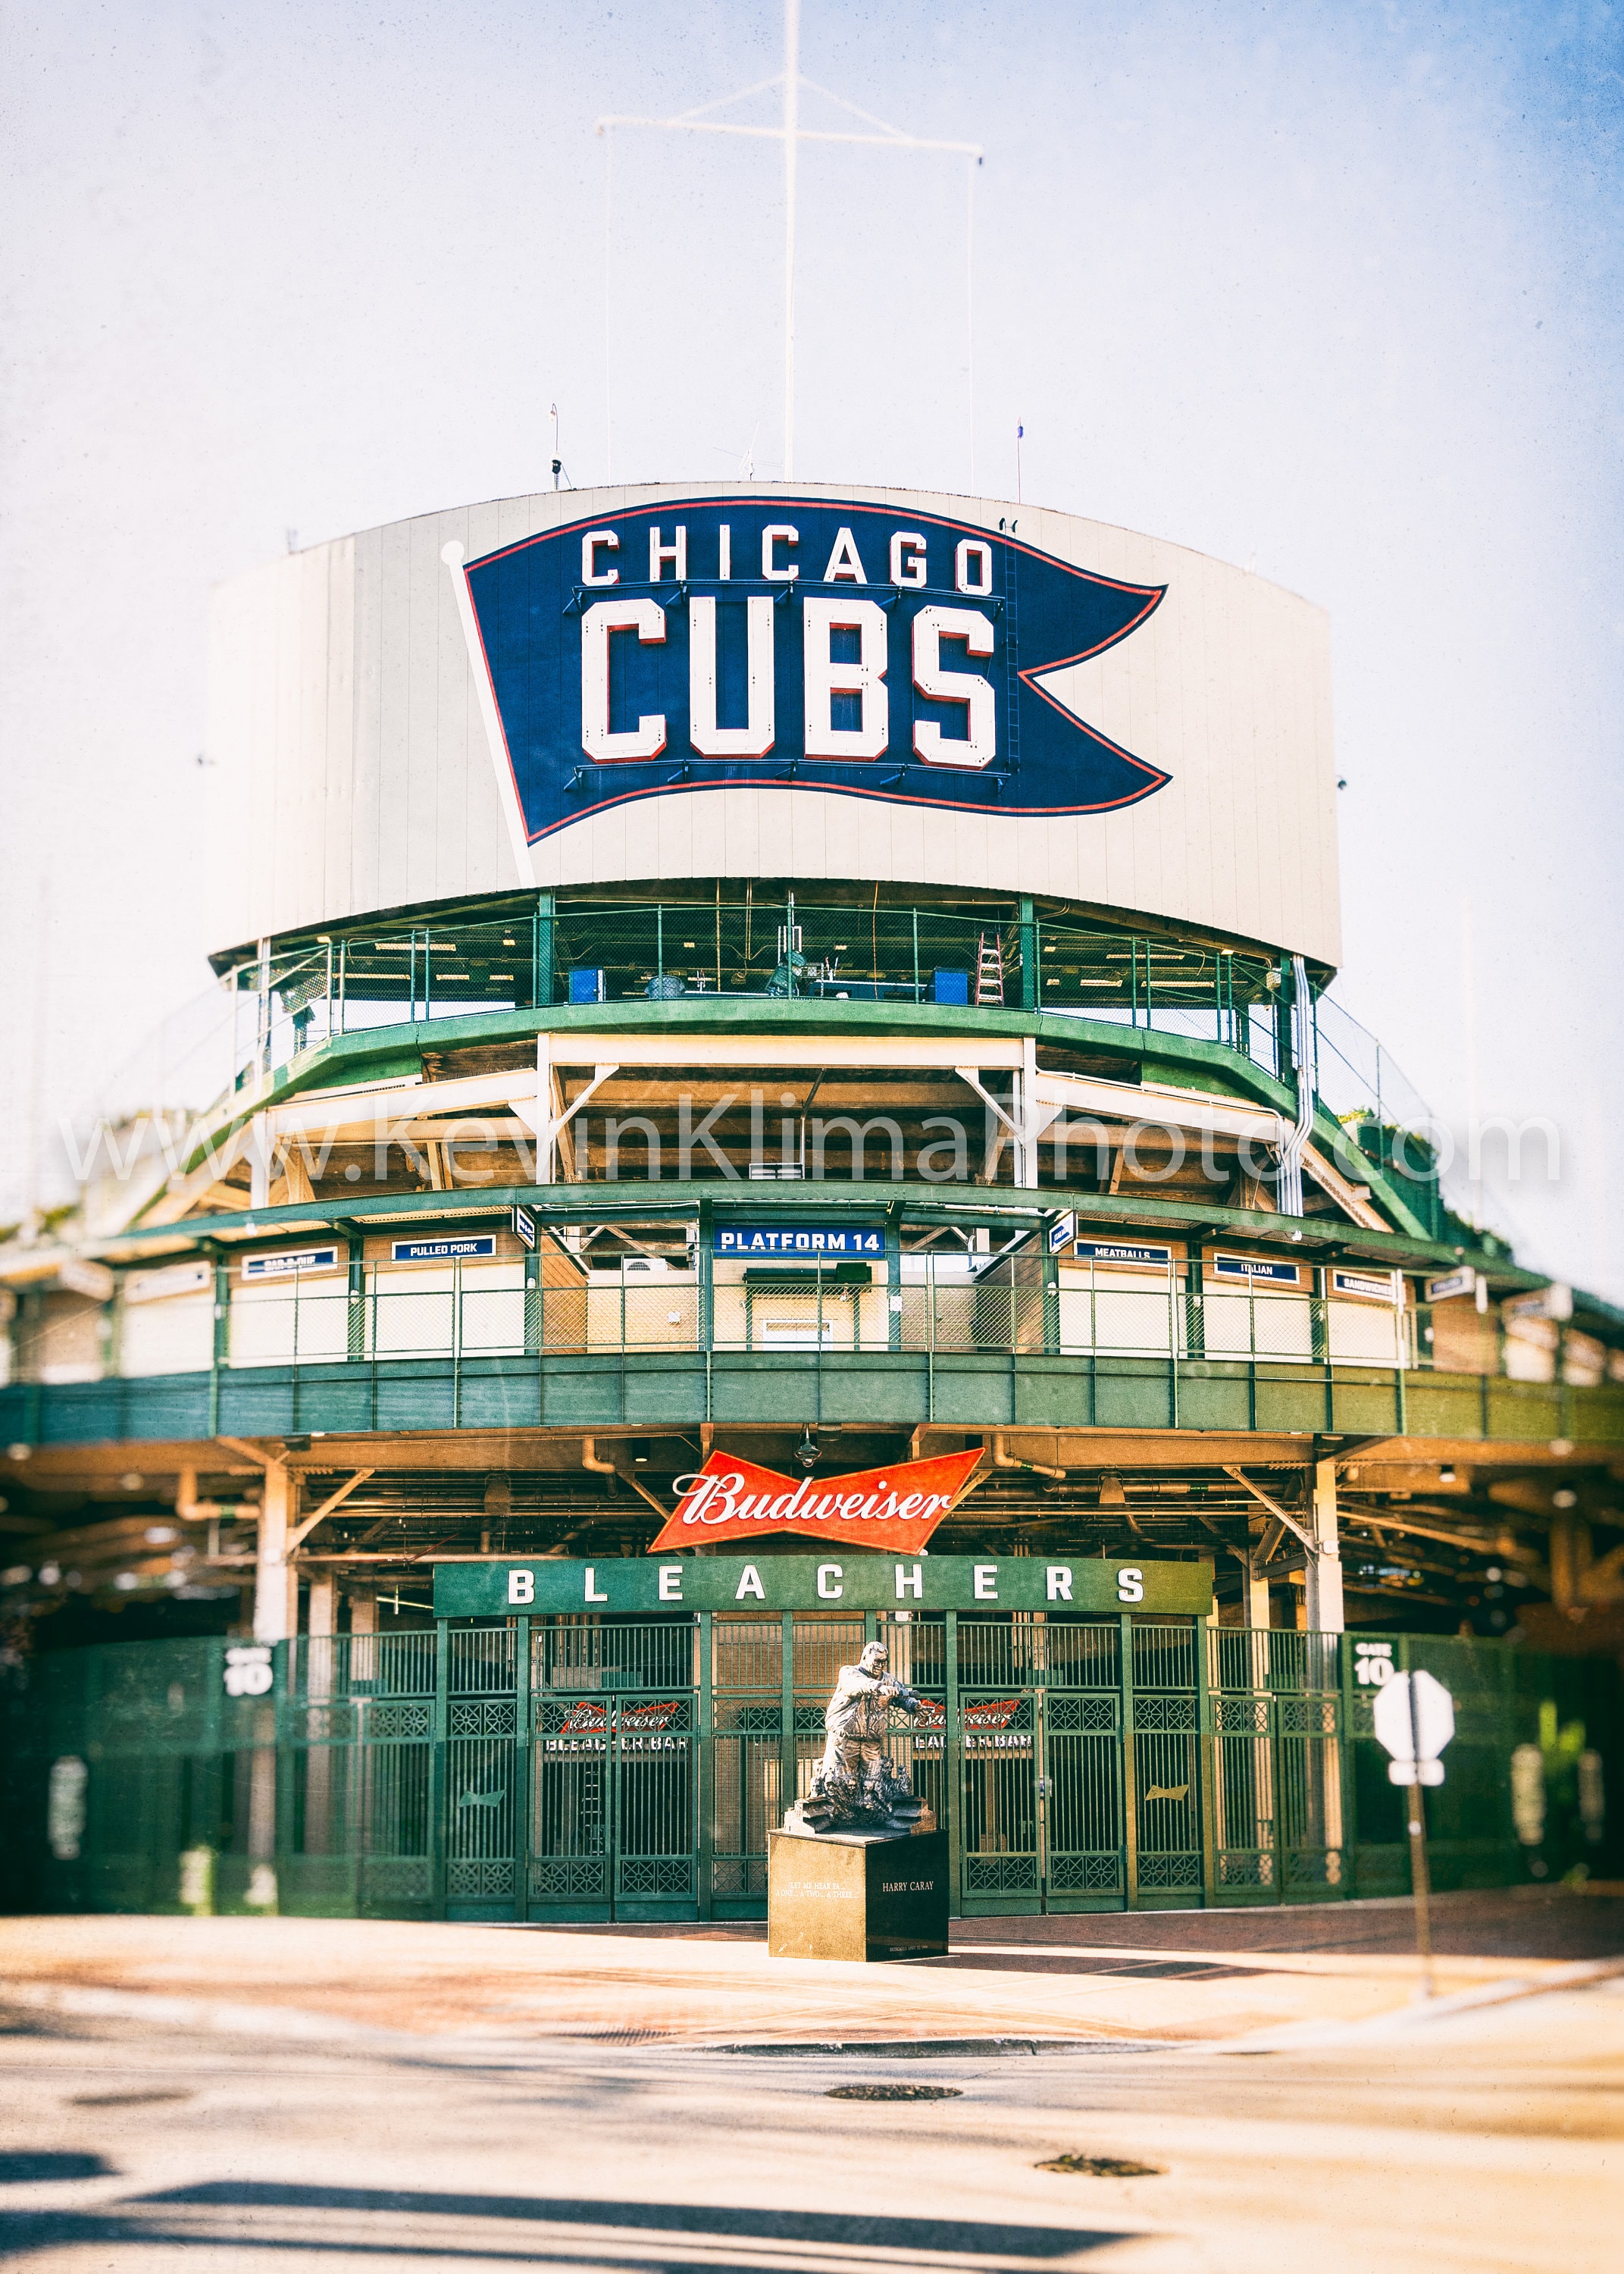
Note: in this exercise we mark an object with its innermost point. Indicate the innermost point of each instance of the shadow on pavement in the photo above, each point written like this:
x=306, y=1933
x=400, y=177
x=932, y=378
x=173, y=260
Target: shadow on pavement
x=131, y=2223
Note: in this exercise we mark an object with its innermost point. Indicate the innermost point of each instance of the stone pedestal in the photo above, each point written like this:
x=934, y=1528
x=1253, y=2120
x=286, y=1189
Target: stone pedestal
x=856, y=1895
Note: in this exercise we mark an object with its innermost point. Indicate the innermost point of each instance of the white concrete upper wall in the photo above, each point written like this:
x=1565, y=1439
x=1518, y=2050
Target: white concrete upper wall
x=356, y=772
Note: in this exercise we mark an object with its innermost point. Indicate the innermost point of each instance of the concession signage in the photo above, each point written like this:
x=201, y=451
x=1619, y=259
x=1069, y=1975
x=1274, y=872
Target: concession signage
x=1256, y=1267
x=443, y=1250
x=1140, y=1255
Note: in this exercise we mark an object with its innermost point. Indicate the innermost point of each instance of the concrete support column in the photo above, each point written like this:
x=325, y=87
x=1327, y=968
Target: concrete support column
x=321, y=1681
x=275, y=1581
x=1255, y=1598
x=363, y=1627
x=1323, y=1579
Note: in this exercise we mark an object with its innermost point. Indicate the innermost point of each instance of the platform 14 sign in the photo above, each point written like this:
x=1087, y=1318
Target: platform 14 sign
x=800, y=642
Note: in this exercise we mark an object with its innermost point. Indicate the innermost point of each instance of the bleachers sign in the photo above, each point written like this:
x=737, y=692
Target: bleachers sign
x=851, y=1580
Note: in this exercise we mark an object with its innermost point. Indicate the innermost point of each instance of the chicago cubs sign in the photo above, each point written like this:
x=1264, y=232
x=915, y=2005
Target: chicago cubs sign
x=793, y=642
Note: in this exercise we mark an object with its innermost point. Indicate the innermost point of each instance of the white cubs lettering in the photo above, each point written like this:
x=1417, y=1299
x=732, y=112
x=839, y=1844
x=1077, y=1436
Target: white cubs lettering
x=589, y=545
x=829, y=1586
x=844, y=560
x=750, y=1584
x=909, y=1583
x=710, y=740
x=592, y=1592
x=972, y=567
x=676, y=553
x=778, y=532
x=647, y=618
x=865, y=678
x=1130, y=1585
x=520, y=1586
x=671, y=1582
x=986, y=1583
x=907, y=559
x=980, y=747
x=1059, y=1583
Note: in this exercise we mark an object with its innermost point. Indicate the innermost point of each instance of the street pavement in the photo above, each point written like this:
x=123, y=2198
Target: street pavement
x=206, y=2095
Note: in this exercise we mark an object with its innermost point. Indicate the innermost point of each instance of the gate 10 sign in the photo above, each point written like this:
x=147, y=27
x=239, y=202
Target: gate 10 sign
x=250, y=1670
x=798, y=643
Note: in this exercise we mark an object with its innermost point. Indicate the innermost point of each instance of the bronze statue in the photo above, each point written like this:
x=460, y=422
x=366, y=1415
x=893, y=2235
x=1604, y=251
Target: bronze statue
x=857, y=1786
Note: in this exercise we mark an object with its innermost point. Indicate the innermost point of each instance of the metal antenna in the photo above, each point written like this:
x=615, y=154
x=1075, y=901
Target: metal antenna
x=791, y=134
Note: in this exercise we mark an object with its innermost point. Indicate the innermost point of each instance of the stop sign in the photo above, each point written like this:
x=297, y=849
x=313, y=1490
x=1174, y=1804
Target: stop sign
x=1414, y=1718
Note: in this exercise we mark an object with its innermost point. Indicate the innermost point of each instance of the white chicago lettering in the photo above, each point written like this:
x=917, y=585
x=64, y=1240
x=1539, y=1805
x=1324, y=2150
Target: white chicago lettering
x=907, y=559
x=647, y=740
x=844, y=560
x=676, y=553
x=755, y=739
x=592, y=543
x=980, y=746
x=972, y=568
x=776, y=533
x=865, y=677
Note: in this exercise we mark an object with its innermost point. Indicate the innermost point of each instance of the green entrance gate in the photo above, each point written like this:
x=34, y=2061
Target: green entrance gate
x=614, y=1787
x=586, y=1766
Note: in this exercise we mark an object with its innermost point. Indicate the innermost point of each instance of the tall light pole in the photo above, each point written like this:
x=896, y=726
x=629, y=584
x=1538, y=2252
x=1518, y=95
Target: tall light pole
x=789, y=81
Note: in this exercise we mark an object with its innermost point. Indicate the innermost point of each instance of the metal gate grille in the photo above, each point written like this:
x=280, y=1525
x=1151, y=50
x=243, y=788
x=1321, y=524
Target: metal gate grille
x=1276, y=1766
x=1165, y=1727
x=614, y=1805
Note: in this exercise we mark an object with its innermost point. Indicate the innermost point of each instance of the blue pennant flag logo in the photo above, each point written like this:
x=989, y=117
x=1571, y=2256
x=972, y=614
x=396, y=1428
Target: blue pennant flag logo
x=793, y=642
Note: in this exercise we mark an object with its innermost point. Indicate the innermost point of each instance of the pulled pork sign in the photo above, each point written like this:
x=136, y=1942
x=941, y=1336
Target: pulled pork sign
x=731, y=1503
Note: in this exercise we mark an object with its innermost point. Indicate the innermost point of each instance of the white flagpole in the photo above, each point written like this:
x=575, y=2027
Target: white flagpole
x=791, y=145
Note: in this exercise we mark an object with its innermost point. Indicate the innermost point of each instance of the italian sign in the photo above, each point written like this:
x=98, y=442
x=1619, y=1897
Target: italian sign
x=732, y=1501
x=633, y=1586
x=797, y=641
x=1256, y=1267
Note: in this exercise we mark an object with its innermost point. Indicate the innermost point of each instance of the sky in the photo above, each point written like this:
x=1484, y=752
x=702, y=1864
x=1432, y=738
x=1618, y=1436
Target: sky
x=1336, y=292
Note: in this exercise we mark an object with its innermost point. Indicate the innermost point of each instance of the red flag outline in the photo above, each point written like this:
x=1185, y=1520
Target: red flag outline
x=731, y=1500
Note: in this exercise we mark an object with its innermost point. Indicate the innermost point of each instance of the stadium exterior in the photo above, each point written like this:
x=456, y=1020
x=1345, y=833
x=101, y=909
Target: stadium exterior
x=834, y=974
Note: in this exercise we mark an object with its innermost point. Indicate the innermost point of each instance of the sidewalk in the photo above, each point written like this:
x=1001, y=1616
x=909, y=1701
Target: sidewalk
x=1168, y=1978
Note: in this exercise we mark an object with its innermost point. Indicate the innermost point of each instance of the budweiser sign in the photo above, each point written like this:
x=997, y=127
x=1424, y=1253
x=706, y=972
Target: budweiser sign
x=732, y=1501
x=588, y=1719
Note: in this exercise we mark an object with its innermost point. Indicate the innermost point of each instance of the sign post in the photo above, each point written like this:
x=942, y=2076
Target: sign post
x=1414, y=1718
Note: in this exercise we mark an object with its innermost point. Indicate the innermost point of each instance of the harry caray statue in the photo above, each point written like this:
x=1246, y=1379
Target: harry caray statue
x=857, y=1786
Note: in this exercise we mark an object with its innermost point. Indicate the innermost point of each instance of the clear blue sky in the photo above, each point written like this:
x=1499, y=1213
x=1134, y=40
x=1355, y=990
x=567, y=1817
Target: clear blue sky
x=1336, y=291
